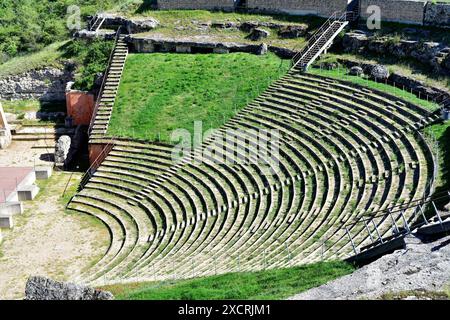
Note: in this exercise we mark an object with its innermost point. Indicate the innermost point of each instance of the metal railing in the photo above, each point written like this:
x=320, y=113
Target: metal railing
x=96, y=163
x=105, y=76
x=337, y=16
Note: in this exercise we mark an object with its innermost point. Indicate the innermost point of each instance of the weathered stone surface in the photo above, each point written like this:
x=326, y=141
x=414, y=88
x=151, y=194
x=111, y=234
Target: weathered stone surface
x=40, y=288
x=156, y=43
x=420, y=266
x=101, y=34
x=62, y=149
x=403, y=81
x=258, y=34
x=48, y=84
x=135, y=25
x=292, y=32
x=379, y=72
x=356, y=71
x=354, y=42
x=263, y=49
x=141, y=25
x=437, y=14
x=224, y=24
x=430, y=53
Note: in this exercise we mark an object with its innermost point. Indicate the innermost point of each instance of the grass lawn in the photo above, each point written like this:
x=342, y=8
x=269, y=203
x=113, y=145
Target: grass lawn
x=48, y=57
x=342, y=74
x=162, y=92
x=441, y=133
x=265, y=285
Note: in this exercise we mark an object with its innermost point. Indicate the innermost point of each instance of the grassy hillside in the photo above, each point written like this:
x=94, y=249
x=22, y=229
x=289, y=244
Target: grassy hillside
x=342, y=74
x=269, y=284
x=162, y=92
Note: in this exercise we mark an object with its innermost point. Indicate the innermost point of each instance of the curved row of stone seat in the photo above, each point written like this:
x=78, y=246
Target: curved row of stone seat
x=345, y=151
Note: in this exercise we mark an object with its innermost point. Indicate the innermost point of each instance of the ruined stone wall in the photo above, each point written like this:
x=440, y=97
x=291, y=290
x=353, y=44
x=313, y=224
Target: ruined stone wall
x=405, y=11
x=226, y=5
x=299, y=7
x=48, y=84
x=437, y=14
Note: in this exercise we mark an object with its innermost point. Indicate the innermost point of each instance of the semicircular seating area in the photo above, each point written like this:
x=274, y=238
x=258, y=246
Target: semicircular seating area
x=342, y=151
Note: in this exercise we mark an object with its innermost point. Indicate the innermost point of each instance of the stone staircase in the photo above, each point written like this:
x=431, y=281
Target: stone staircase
x=107, y=96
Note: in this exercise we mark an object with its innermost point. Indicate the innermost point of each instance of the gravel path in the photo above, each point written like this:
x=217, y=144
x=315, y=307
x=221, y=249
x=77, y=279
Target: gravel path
x=418, y=267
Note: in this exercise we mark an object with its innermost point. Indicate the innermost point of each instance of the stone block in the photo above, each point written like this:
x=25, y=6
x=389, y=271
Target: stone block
x=11, y=208
x=6, y=221
x=43, y=173
x=27, y=192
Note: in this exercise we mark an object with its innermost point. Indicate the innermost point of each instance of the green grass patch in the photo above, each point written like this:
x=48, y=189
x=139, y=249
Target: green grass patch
x=265, y=285
x=441, y=132
x=47, y=57
x=342, y=74
x=159, y=93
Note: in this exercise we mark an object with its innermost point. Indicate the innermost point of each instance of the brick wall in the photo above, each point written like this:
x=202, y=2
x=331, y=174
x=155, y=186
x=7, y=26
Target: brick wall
x=227, y=5
x=405, y=11
x=321, y=8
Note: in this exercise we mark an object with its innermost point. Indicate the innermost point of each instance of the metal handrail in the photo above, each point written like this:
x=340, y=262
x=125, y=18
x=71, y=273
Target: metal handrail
x=105, y=76
x=319, y=33
x=95, y=164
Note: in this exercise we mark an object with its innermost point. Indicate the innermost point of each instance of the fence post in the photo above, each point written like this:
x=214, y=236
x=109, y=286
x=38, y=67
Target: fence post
x=351, y=240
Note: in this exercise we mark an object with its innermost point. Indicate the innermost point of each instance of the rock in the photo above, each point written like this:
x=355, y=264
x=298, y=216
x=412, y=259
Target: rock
x=379, y=72
x=354, y=42
x=413, y=268
x=329, y=65
x=437, y=14
x=292, y=32
x=248, y=26
x=40, y=288
x=224, y=25
x=258, y=34
x=62, y=149
x=141, y=25
x=356, y=71
x=263, y=49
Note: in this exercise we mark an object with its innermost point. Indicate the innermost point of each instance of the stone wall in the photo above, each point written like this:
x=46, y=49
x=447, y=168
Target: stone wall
x=434, y=54
x=226, y=5
x=40, y=288
x=437, y=14
x=405, y=11
x=299, y=7
x=48, y=84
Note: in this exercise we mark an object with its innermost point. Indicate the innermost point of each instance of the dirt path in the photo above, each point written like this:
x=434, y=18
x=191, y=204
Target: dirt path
x=45, y=239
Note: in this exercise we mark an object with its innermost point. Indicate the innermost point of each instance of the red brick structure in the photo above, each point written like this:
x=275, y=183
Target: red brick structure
x=80, y=106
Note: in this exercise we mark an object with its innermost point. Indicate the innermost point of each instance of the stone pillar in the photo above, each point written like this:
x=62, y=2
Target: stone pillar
x=5, y=132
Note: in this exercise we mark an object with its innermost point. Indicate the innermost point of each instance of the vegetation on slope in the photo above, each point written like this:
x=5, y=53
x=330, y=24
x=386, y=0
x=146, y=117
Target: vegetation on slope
x=268, y=284
x=159, y=93
x=30, y=25
x=441, y=132
x=342, y=74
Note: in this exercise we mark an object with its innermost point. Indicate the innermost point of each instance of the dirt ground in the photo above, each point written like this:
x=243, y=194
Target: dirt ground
x=22, y=154
x=45, y=239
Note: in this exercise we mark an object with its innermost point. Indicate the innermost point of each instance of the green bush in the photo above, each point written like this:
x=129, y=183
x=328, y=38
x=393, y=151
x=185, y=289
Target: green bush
x=30, y=25
x=92, y=58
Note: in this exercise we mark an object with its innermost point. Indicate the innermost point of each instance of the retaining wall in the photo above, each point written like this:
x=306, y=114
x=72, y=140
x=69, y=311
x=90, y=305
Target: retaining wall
x=225, y=5
x=437, y=14
x=299, y=7
x=404, y=11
